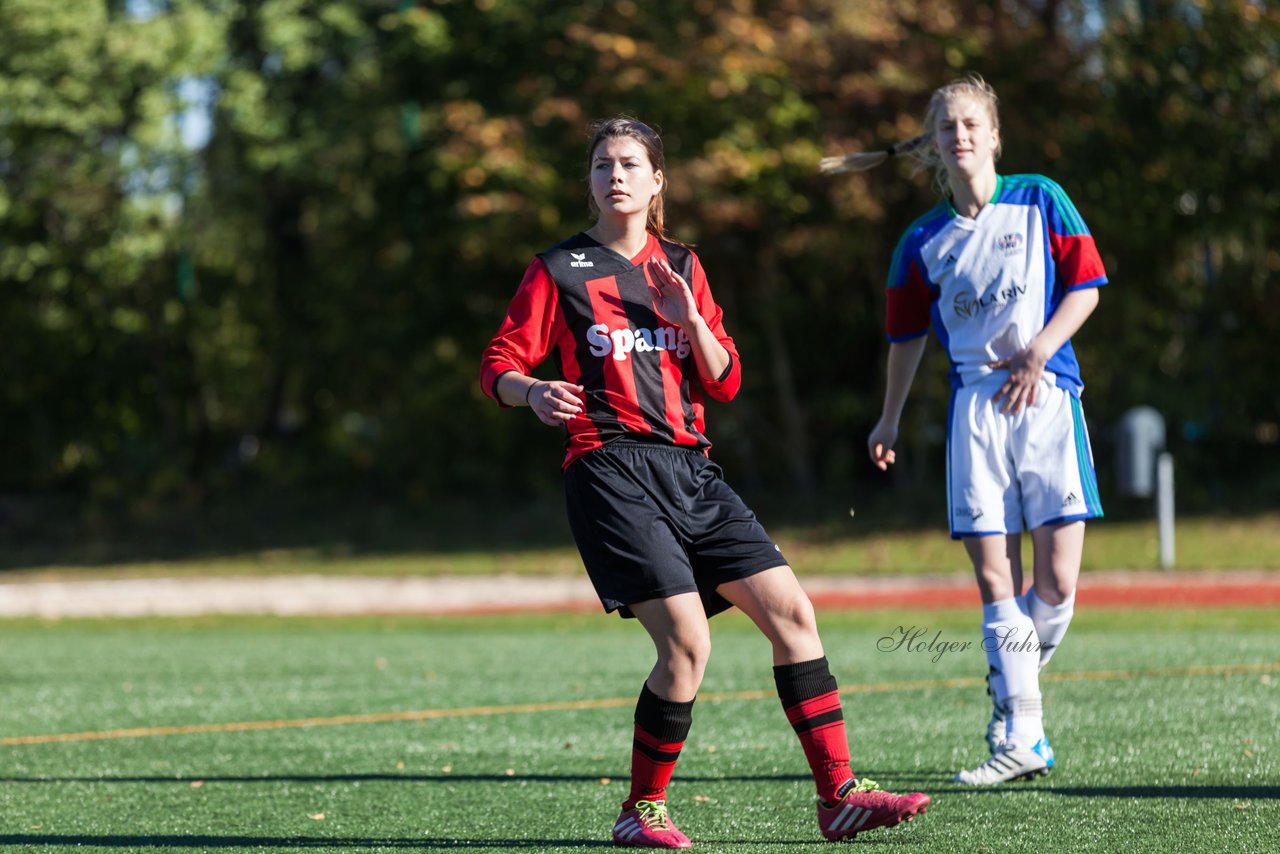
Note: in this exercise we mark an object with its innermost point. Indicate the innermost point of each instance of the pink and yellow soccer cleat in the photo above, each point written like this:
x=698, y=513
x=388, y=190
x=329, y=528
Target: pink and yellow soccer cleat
x=864, y=807
x=647, y=825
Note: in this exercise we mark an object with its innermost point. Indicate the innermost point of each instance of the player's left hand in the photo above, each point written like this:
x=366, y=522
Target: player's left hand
x=1025, y=368
x=673, y=297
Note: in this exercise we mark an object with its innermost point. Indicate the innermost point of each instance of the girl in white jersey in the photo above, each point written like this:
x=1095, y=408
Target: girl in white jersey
x=1005, y=271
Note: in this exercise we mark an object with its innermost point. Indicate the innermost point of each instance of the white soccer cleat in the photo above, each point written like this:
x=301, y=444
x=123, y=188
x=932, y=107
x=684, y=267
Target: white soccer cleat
x=1010, y=763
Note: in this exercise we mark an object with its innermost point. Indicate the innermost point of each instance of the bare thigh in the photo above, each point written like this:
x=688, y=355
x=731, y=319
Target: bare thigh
x=778, y=605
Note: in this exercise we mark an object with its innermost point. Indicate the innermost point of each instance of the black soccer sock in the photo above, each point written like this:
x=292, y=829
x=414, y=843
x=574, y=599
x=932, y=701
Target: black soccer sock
x=661, y=727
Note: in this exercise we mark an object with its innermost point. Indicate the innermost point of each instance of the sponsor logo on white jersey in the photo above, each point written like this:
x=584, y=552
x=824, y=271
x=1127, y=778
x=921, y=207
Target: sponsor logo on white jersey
x=967, y=304
x=580, y=260
x=1009, y=244
x=621, y=342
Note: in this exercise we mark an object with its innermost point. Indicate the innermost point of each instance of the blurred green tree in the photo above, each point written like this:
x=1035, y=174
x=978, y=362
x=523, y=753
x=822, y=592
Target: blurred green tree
x=94, y=329
x=259, y=244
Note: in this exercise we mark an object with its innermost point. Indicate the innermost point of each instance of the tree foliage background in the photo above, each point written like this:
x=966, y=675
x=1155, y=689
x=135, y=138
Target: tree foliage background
x=255, y=247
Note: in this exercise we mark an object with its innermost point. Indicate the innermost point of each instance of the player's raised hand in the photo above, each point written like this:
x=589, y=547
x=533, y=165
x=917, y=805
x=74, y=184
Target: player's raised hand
x=555, y=401
x=673, y=297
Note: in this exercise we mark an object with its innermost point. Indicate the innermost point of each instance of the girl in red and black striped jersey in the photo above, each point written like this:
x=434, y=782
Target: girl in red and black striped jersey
x=640, y=341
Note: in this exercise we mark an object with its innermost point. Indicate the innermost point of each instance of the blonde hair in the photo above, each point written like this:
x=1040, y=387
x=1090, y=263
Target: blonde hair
x=633, y=128
x=920, y=148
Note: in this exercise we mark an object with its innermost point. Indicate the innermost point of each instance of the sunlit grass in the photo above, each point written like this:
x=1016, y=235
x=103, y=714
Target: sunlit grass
x=255, y=734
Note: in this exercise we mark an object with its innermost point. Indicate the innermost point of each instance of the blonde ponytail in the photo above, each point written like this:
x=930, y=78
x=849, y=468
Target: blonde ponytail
x=863, y=160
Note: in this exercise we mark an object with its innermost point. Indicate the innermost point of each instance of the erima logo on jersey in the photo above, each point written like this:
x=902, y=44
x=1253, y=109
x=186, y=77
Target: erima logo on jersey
x=968, y=305
x=1009, y=244
x=620, y=342
x=580, y=260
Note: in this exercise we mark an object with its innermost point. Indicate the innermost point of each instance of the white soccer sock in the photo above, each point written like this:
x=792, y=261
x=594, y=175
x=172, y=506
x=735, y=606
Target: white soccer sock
x=1012, y=646
x=1051, y=621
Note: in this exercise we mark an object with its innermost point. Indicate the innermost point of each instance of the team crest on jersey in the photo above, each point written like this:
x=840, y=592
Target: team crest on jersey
x=1009, y=244
x=580, y=260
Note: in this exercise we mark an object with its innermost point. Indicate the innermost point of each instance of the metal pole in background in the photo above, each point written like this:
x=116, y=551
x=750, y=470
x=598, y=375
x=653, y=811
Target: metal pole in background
x=1164, y=508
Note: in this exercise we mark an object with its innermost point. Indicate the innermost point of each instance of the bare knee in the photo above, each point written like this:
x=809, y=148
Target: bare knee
x=792, y=629
x=683, y=655
x=794, y=618
x=1052, y=591
x=1058, y=551
x=995, y=582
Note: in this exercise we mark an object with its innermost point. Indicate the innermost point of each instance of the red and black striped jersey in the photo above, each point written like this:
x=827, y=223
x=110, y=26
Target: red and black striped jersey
x=595, y=310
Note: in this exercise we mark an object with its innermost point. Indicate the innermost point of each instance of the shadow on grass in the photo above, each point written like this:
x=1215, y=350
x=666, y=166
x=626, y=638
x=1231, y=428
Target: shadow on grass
x=1239, y=793
x=281, y=843
x=936, y=781
x=403, y=778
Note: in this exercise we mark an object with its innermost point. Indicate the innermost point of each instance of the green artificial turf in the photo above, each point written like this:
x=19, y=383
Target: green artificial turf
x=514, y=735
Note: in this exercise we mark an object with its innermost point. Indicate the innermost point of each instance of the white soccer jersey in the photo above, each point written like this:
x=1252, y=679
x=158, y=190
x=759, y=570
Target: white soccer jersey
x=988, y=285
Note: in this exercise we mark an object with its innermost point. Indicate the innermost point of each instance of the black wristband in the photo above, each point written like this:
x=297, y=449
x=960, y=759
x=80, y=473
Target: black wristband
x=529, y=391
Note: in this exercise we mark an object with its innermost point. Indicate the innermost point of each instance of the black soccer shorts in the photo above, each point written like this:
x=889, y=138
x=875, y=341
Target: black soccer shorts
x=654, y=520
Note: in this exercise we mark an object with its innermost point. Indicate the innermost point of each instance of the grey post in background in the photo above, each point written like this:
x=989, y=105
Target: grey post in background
x=1144, y=468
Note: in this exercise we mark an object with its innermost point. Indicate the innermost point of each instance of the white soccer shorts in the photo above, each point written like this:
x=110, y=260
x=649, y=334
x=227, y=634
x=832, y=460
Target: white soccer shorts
x=1008, y=470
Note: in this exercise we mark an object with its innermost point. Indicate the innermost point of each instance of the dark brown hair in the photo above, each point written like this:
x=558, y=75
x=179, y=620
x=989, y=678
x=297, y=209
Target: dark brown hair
x=626, y=126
